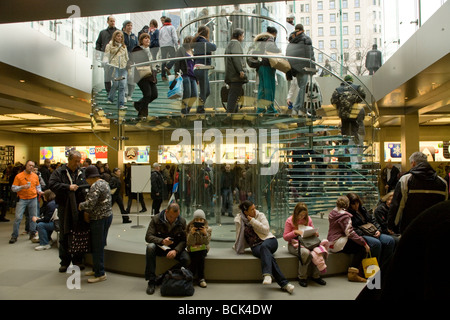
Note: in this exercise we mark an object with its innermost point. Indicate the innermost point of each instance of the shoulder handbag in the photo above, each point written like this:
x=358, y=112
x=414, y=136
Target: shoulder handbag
x=279, y=63
x=178, y=282
x=309, y=243
x=144, y=71
x=368, y=229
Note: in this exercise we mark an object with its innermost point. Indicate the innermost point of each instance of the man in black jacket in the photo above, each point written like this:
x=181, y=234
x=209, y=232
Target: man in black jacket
x=166, y=236
x=373, y=60
x=417, y=190
x=70, y=187
x=300, y=45
x=158, y=187
x=45, y=173
x=103, y=39
x=390, y=176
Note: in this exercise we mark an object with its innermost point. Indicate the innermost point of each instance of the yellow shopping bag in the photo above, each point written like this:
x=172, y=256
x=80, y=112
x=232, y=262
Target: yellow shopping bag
x=370, y=266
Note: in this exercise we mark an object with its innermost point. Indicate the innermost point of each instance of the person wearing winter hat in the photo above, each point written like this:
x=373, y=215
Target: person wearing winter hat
x=347, y=100
x=197, y=244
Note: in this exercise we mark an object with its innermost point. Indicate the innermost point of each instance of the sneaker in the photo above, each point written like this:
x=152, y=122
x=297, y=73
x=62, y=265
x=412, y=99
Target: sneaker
x=12, y=240
x=267, y=279
x=45, y=247
x=97, y=279
x=35, y=239
x=289, y=288
x=109, y=102
x=123, y=108
x=202, y=283
x=129, y=99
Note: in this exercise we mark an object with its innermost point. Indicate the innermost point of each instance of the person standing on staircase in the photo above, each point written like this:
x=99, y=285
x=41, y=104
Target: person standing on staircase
x=103, y=39
x=168, y=42
x=346, y=98
x=300, y=46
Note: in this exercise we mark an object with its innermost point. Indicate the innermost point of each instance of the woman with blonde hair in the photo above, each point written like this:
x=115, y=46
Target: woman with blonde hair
x=116, y=56
x=294, y=228
x=343, y=238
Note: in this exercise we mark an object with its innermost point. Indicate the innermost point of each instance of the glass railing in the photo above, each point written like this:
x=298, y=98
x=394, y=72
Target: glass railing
x=277, y=157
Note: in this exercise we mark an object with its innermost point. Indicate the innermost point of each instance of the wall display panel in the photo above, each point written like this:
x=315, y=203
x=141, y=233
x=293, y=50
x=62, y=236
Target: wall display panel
x=137, y=154
x=60, y=154
x=437, y=151
x=174, y=154
x=227, y=153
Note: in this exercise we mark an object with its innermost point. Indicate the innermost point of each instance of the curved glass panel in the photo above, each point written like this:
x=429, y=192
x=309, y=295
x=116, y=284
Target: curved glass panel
x=269, y=151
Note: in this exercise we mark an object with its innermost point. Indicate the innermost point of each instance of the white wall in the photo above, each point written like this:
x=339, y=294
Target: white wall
x=428, y=45
x=28, y=49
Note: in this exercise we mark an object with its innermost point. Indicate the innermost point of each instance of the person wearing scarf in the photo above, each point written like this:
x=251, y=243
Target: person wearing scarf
x=253, y=230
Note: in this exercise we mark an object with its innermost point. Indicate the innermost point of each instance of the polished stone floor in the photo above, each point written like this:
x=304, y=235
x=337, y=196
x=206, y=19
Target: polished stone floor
x=29, y=274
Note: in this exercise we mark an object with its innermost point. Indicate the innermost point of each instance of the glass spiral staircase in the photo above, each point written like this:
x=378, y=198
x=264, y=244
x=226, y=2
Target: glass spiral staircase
x=278, y=159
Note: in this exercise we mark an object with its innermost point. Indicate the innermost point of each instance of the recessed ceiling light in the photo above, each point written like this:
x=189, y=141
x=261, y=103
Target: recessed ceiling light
x=21, y=81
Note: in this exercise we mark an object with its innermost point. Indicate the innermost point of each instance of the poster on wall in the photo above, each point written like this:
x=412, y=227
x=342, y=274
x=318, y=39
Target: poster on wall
x=136, y=154
x=436, y=151
x=59, y=154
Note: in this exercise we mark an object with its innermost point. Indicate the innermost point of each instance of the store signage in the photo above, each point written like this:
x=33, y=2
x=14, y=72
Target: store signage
x=268, y=152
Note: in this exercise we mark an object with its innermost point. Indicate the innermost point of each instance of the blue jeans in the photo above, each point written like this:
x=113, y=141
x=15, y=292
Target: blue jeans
x=21, y=205
x=99, y=233
x=150, y=257
x=382, y=248
x=227, y=201
x=121, y=84
x=45, y=230
x=269, y=266
x=205, y=89
x=302, y=80
x=189, y=94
